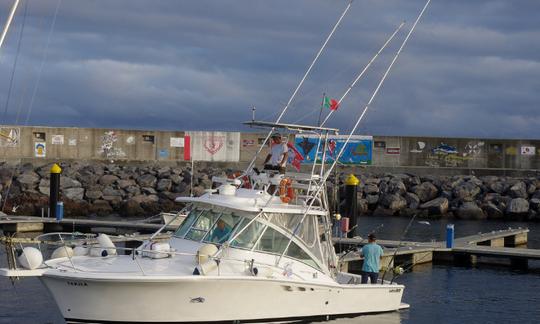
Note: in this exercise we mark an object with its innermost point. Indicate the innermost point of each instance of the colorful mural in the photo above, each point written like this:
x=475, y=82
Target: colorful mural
x=358, y=151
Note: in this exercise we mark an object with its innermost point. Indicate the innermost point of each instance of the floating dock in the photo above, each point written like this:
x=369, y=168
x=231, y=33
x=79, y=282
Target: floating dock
x=504, y=247
x=17, y=224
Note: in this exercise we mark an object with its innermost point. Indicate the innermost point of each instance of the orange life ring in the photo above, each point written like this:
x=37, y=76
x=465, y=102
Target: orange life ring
x=286, y=192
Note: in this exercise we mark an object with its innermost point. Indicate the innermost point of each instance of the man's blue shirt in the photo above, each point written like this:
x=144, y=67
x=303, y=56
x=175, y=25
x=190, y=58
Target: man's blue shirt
x=372, y=253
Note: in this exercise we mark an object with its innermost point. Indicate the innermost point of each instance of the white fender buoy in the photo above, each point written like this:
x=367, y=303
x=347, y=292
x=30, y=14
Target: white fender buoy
x=80, y=251
x=205, y=252
x=62, y=252
x=105, y=243
x=31, y=258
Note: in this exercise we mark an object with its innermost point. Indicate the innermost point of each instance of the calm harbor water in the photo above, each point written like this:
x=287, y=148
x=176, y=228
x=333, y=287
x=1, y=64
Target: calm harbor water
x=437, y=293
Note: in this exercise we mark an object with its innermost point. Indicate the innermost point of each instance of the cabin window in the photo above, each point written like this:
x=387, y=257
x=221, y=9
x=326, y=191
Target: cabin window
x=201, y=226
x=222, y=229
x=272, y=241
x=186, y=224
x=249, y=236
x=296, y=252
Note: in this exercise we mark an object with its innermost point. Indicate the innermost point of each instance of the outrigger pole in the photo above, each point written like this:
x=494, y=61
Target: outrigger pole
x=364, y=70
x=300, y=84
x=8, y=22
x=375, y=92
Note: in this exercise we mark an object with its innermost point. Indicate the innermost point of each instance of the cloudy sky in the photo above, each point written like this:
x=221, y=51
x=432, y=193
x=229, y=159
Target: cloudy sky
x=471, y=69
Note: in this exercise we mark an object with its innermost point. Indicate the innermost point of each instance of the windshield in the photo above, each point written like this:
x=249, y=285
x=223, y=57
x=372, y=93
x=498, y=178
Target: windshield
x=208, y=225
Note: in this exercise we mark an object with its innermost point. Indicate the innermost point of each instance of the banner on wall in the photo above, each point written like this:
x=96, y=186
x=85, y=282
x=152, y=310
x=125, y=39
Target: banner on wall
x=357, y=151
x=40, y=149
x=214, y=146
x=528, y=150
x=10, y=137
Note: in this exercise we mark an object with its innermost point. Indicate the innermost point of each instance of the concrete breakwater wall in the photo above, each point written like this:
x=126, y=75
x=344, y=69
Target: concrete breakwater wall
x=96, y=188
x=35, y=143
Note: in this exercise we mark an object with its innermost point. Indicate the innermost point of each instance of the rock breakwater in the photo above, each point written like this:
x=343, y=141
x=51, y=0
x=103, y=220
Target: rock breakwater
x=96, y=188
x=464, y=197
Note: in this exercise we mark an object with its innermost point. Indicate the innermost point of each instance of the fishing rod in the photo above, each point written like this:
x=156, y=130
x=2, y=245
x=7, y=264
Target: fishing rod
x=360, y=118
x=361, y=74
x=397, y=248
x=336, y=25
x=8, y=22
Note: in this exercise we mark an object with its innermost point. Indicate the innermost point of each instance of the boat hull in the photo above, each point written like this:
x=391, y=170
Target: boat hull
x=213, y=299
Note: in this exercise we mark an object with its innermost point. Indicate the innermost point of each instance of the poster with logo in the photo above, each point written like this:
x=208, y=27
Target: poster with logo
x=57, y=139
x=177, y=142
x=528, y=150
x=357, y=151
x=40, y=149
x=215, y=146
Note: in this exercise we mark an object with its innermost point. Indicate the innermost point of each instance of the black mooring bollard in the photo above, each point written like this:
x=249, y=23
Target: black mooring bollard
x=54, y=193
x=351, y=207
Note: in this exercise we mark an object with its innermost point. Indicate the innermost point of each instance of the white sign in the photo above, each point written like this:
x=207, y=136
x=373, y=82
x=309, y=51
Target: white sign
x=40, y=149
x=215, y=146
x=57, y=140
x=177, y=142
x=528, y=150
x=72, y=142
x=10, y=137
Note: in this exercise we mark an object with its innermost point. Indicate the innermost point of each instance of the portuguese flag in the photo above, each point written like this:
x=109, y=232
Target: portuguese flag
x=332, y=104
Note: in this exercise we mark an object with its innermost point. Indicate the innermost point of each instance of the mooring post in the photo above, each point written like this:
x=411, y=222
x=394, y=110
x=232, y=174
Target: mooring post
x=54, y=193
x=450, y=236
x=351, y=209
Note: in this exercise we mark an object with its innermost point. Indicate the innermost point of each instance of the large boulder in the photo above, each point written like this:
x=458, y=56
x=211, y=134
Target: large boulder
x=93, y=194
x=534, y=204
x=67, y=182
x=107, y=179
x=28, y=180
x=412, y=200
x=372, y=199
x=164, y=185
x=124, y=183
x=492, y=211
x=393, y=202
x=74, y=193
x=466, y=191
x=147, y=180
x=519, y=190
x=396, y=186
x=498, y=187
x=426, y=191
x=132, y=208
x=469, y=210
x=517, y=206
x=371, y=189
x=437, y=206
x=100, y=207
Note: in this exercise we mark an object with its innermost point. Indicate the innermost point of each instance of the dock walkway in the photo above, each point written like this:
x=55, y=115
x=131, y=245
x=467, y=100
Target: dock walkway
x=36, y=224
x=468, y=250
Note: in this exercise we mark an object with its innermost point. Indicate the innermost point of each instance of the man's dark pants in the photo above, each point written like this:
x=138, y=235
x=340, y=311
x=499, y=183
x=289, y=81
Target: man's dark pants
x=371, y=275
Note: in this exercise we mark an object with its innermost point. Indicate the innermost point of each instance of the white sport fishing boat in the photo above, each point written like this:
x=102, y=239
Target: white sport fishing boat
x=257, y=248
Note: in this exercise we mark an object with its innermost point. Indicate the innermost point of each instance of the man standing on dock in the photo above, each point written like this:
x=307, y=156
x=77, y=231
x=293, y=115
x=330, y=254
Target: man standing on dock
x=372, y=253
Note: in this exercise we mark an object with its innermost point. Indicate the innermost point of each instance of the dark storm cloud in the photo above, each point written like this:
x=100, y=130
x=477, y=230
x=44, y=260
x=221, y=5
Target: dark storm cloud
x=470, y=69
